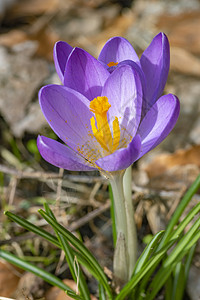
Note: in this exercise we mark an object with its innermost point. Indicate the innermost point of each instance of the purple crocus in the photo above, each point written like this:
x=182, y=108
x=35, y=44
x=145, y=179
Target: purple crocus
x=153, y=67
x=108, y=120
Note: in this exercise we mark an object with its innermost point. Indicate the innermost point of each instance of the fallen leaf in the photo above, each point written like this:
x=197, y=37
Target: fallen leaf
x=55, y=293
x=8, y=279
x=163, y=162
x=184, y=62
x=119, y=27
x=24, y=8
x=46, y=39
x=12, y=38
x=182, y=30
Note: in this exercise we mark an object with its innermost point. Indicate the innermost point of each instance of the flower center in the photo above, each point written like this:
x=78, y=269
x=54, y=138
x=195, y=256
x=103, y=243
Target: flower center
x=108, y=141
x=112, y=63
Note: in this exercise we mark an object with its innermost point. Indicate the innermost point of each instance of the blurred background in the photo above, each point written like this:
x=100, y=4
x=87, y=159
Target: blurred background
x=28, y=32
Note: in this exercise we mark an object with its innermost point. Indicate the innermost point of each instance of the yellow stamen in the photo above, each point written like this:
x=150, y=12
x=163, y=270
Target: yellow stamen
x=116, y=134
x=99, y=106
x=112, y=63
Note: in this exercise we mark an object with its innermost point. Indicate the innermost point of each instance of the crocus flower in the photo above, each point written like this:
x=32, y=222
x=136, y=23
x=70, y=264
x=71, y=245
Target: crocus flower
x=153, y=67
x=109, y=112
x=102, y=126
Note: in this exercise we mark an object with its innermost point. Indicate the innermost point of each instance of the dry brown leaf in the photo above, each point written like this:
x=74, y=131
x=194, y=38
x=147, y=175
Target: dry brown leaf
x=46, y=39
x=181, y=157
x=12, y=38
x=184, y=62
x=26, y=8
x=182, y=30
x=55, y=293
x=119, y=27
x=8, y=279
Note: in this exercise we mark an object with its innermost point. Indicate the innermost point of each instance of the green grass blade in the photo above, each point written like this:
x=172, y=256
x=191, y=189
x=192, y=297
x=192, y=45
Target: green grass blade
x=22, y=264
x=179, y=282
x=152, y=263
x=49, y=237
x=31, y=227
x=102, y=293
x=178, y=212
x=189, y=260
x=74, y=296
x=183, y=247
x=112, y=213
x=169, y=288
x=71, y=260
x=80, y=247
x=182, y=244
x=147, y=252
x=76, y=273
x=179, y=230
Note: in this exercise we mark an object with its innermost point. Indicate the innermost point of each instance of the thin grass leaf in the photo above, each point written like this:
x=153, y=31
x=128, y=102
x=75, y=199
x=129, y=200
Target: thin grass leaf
x=51, y=238
x=112, y=213
x=31, y=227
x=181, y=275
x=179, y=282
x=169, y=265
x=169, y=288
x=71, y=258
x=74, y=296
x=80, y=247
x=48, y=210
x=77, y=276
x=182, y=244
x=180, y=228
x=147, y=252
x=102, y=293
x=22, y=264
x=152, y=263
x=189, y=260
x=178, y=212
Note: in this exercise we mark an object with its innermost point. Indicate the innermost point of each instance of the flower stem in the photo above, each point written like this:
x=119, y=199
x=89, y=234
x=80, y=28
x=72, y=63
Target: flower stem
x=120, y=263
x=131, y=228
x=126, y=246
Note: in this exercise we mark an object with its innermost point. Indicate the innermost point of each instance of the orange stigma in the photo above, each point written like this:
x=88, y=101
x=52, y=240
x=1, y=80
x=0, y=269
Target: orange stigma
x=112, y=63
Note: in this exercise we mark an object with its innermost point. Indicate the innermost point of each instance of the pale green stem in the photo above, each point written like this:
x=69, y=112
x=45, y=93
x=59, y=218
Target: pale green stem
x=131, y=228
x=126, y=246
x=120, y=264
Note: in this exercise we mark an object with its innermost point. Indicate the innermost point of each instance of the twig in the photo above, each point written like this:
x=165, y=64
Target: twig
x=26, y=174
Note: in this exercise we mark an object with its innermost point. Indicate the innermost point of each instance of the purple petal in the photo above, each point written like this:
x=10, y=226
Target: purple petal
x=68, y=114
x=122, y=158
x=158, y=122
x=85, y=74
x=118, y=49
x=139, y=70
x=124, y=92
x=61, y=156
x=155, y=63
x=61, y=53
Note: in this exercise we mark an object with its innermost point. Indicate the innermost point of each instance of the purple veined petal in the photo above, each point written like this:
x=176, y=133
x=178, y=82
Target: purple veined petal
x=124, y=92
x=85, y=74
x=61, y=53
x=61, y=156
x=158, y=122
x=116, y=50
x=122, y=158
x=68, y=114
x=155, y=62
x=139, y=70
